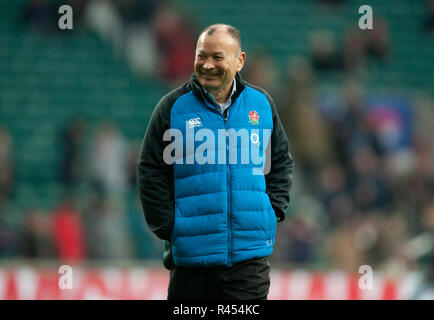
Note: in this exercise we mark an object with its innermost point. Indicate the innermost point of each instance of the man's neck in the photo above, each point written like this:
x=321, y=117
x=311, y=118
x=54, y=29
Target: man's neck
x=222, y=95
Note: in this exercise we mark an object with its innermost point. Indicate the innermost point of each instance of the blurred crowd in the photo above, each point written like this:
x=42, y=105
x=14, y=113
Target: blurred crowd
x=132, y=27
x=355, y=201
x=98, y=216
x=360, y=201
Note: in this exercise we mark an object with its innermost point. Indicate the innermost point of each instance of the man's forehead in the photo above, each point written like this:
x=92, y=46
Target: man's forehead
x=217, y=41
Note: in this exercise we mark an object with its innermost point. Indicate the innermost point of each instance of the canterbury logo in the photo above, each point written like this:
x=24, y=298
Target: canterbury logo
x=194, y=122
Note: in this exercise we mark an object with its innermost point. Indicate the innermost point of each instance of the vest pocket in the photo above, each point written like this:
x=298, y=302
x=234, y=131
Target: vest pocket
x=272, y=227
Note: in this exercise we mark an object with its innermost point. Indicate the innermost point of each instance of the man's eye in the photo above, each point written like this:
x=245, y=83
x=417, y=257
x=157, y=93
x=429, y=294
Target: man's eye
x=201, y=56
x=218, y=58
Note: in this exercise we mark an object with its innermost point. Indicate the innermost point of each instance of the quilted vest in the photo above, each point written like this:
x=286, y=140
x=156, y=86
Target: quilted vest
x=223, y=214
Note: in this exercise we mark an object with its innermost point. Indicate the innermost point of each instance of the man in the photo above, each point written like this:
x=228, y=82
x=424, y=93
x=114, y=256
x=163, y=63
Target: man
x=217, y=217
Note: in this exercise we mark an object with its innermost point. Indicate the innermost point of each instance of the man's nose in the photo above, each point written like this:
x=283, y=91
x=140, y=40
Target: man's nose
x=208, y=64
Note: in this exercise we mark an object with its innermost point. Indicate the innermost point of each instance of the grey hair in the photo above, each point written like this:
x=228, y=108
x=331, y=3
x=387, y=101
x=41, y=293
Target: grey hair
x=232, y=31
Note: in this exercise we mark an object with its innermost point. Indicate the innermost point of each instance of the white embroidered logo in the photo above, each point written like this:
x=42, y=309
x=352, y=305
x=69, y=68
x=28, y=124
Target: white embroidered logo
x=195, y=122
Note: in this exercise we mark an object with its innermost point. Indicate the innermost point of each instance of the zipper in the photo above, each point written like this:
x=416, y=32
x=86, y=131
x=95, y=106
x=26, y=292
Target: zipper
x=228, y=175
x=228, y=185
x=225, y=114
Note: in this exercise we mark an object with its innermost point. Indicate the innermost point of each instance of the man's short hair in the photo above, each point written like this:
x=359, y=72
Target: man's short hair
x=232, y=31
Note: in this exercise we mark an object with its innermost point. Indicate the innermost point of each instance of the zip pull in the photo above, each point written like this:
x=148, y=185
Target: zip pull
x=225, y=114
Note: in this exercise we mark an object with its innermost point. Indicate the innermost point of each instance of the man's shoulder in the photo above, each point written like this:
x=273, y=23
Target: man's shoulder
x=168, y=100
x=260, y=91
x=262, y=95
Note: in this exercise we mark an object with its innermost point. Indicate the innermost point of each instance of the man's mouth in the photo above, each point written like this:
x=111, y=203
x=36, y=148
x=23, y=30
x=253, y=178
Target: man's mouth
x=208, y=75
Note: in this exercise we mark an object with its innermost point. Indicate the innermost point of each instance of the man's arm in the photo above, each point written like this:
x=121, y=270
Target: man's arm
x=279, y=179
x=154, y=176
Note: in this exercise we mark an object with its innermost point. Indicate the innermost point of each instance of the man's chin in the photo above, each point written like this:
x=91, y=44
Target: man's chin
x=210, y=84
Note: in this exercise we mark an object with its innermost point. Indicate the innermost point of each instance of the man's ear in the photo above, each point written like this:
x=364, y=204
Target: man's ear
x=240, y=62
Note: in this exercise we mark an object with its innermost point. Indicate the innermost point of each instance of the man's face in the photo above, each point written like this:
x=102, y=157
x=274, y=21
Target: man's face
x=218, y=58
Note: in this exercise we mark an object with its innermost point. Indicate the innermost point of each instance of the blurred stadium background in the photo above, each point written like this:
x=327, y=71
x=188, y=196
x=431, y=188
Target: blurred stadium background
x=357, y=106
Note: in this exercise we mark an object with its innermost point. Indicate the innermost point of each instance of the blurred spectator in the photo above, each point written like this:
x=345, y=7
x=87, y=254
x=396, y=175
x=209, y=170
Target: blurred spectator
x=145, y=245
x=68, y=232
x=259, y=69
x=176, y=45
x=362, y=46
x=367, y=182
x=343, y=248
x=93, y=213
x=429, y=23
x=102, y=17
x=303, y=238
x=43, y=15
x=79, y=9
x=140, y=50
x=378, y=42
x=420, y=251
x=354, y=50
x=40, y=15
x=369, y=238
x=108, y=161
x=106, y=229
x=140, y=44
x=136, y=27
x=332, y=190
x=37, y=235
x=72, y=165
x=421, y=180
x=309, y=136
x=10, y=230
x=347, y=122
x=324, y=50
x=126, y=25
x=136, y=11
x=427, y=221
x=6, y=165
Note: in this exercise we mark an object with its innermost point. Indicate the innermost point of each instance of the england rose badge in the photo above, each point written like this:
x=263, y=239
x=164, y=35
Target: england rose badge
x=253, y=117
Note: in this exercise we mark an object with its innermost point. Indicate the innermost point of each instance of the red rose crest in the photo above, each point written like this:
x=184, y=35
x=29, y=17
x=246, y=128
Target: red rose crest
x=253, y=117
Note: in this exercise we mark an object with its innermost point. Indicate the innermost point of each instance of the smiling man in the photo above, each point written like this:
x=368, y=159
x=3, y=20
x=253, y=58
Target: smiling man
x=218, y=58
x=217, y=220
